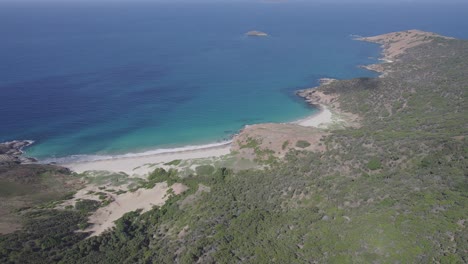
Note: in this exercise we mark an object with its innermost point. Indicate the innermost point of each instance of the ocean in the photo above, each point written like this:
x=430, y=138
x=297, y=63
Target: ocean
x=90, y=80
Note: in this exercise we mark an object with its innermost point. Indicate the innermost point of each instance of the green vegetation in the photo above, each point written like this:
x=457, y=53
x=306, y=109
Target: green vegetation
x=374, y=164
x=263, y=155
x=46, y=233
x=26, y=186
x=302, y=144
x=87, y=205
x=252, y=143
x=205, y=170
x=392, y=191
x=161, y=175
x=285, y=145
x=174, y=162
x=101, y=178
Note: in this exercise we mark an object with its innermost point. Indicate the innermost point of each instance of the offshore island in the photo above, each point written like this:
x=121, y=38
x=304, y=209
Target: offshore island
x=255, y=33
x=377, y=175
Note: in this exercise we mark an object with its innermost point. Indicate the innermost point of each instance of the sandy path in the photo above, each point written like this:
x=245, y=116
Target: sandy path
x=144, y=199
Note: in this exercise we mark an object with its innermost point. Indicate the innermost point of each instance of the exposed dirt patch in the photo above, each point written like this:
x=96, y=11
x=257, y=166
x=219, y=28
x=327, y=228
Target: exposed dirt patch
x=178, y=188
x=262, y=140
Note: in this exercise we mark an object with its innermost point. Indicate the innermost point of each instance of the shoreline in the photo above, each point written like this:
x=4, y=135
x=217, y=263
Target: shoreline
x=392, y=44
x=142, y=164
x=84, y=158
x=136, y=163
x=321, y=119
x=395, y=44
x=12, y=152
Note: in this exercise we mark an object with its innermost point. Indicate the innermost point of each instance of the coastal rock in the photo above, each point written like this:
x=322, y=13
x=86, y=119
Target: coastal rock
x=395, y=44
x=255, y=33
x=318, y=97
x=325, y=81
x=325, y=97
x=11, y=152
x=379, y=68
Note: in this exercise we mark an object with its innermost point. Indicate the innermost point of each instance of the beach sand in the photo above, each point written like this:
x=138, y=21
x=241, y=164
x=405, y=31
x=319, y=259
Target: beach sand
x=141, y=165
x=320, y=120
x=144, y=199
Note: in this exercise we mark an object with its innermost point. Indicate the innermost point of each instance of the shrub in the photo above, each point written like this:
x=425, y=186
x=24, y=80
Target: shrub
x=374, y=164
x=174, y=162
x=302, y=144
x=161, y=175
x=87, y=205
x=205, y=170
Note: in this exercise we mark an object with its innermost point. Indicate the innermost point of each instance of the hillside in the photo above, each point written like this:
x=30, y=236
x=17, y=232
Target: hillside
x=23, y=186
x=389, y=187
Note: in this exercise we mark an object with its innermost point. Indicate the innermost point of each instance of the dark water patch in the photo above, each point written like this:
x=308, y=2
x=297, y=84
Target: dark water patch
x=252, y=120
x=166, y=93
x=104, y=136
x=291, y=92
x=58, y=105
x=313, y=79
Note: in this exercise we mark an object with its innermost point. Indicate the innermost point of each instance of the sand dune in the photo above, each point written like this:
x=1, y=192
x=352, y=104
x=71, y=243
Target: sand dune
x=104, y=218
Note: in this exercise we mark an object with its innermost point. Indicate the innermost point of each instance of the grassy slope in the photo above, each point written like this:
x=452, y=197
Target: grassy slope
x=25, y=186
x=394, y=190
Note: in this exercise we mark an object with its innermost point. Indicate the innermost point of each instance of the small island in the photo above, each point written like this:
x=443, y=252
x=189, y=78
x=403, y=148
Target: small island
x=255, y=33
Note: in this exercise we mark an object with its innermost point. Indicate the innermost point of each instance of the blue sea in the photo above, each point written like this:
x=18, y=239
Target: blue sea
x=86, y=80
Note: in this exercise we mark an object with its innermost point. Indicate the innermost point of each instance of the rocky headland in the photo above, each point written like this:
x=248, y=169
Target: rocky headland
x=260, y=141
x=396, y=44
x=12, y=152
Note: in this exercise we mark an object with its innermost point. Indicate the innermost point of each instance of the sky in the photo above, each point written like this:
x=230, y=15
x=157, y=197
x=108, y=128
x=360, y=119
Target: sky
x=266, y=1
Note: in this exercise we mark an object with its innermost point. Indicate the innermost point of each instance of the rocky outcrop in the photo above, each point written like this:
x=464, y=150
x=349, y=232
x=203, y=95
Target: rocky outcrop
x=325, y=97
x=317, y=97
x=12, y=152
x=396, y=44
x=325, y=81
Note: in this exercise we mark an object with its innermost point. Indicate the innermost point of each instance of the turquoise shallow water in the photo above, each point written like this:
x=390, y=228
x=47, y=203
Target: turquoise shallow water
x=107, y=79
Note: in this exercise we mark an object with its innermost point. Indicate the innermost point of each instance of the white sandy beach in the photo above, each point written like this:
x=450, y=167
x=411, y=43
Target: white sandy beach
x=104, y=218
x=140, y=165
x=320, y=120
